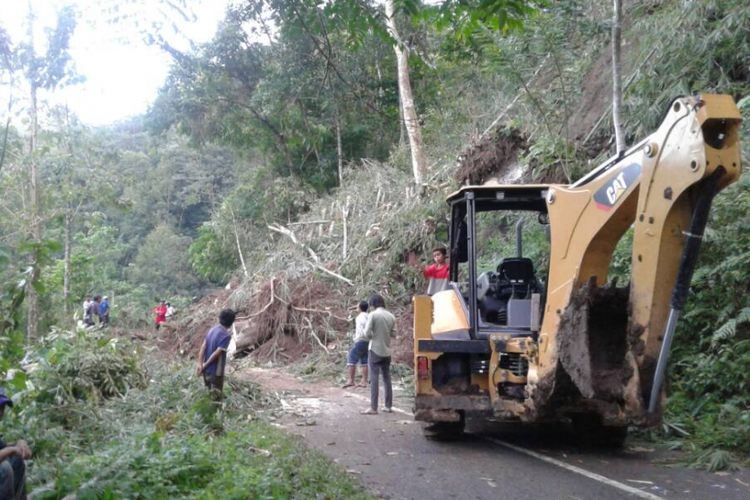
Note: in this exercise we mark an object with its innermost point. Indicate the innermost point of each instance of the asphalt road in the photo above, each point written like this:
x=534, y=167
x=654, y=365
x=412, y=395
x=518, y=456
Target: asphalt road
x=392, y=459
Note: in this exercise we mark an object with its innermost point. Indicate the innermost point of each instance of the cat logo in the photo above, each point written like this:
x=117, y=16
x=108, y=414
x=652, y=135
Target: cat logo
x=608, y=195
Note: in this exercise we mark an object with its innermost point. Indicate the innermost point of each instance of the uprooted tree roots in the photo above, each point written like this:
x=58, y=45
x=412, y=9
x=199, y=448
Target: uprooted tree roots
x=283, y=320
x=292, y=314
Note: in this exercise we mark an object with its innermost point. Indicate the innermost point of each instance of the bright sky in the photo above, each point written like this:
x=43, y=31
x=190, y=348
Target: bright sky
x=122, y=73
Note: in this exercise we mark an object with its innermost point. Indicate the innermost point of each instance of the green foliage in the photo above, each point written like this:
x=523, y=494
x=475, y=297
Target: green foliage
x=236, y=91
x=211, y=256
x=54, y=67
x=94, y=265
x=162, y=264
x=620, y=267
x=260, y=198
x=553, y=159
x=12, y=294
x=83, y=365
x=731, y=328
x=156, y=440
x=464, y=18
x=263, y=197
x=715, y=460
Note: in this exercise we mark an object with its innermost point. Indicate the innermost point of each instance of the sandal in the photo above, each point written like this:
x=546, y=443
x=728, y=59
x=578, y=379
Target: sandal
x=369, y=411
x=347, y=385
x=388, y=409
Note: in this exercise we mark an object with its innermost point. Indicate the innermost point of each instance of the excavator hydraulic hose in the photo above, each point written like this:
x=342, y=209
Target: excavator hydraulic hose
x=708, y=189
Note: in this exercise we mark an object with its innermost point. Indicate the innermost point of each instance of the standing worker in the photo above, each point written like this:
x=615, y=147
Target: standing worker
x=104, y=311
x=212, y=356
x=379, y=329
x=161, y=314
x=93, y=310
x=170, y=311
x=87, y=319
x=86, y=301
x=360, y=345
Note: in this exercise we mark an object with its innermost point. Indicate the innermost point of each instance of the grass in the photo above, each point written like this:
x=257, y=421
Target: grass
x=167, y=440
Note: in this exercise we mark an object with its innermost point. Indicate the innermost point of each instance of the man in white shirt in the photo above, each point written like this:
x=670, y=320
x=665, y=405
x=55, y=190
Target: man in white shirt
x=358, y=352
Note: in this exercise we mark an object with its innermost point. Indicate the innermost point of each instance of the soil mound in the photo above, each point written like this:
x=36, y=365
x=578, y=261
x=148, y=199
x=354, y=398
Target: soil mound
x=494, y=155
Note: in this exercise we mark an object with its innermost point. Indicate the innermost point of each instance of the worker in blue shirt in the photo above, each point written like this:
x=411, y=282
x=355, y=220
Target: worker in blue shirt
x=104, y=311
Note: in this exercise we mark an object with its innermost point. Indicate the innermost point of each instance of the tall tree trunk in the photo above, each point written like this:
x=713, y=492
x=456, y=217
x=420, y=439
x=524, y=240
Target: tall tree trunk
x=413, y=129
x=401, y=124
x=379, y=72
x=339, y=149
x=344, y=218
x=67, y=224
x=32, y=323
x=66, y=262
x=7, y=123
x=237, y=242
x=617, y=75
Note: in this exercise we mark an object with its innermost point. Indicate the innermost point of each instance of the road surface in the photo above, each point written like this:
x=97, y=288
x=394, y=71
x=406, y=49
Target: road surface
x=392, y=459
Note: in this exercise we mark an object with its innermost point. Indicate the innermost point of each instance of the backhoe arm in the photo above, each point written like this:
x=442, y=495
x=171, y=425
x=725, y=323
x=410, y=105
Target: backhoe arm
x=699, y=157
x=662, y=187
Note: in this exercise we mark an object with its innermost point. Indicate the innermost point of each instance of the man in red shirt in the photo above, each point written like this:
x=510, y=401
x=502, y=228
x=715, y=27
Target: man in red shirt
x=161, y=314
x=438, y=272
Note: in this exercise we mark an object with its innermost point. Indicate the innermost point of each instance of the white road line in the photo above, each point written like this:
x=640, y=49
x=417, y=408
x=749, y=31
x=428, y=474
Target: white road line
x=577, y=470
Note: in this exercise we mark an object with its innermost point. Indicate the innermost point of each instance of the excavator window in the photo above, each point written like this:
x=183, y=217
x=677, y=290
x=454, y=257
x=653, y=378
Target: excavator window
x=511, y=261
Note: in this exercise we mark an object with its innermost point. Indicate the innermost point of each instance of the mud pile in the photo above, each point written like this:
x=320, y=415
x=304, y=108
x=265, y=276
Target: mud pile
x=592, y=347
x=492, y=156
x=592, y=340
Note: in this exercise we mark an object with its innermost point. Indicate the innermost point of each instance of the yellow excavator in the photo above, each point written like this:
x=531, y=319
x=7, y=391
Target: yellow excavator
x=545, y=337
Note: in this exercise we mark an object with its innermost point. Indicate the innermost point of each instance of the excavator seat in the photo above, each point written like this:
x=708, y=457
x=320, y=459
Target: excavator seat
x=515, y=280
x=517, y=270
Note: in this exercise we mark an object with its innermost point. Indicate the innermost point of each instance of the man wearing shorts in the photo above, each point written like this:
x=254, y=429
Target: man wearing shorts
x=358, y=352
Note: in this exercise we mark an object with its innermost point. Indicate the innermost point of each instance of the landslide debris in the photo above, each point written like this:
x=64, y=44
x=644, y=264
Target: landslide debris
x=494, y=155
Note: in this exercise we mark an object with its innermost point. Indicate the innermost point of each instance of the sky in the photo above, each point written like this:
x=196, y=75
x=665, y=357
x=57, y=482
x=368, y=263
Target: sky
x=122, y=73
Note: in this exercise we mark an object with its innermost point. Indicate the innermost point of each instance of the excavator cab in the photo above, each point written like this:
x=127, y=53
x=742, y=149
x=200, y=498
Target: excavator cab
x=487, y=232
x=496, y=293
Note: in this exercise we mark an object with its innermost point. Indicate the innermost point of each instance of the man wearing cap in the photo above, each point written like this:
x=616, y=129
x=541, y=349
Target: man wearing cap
x=12, y=466
x=212, y=356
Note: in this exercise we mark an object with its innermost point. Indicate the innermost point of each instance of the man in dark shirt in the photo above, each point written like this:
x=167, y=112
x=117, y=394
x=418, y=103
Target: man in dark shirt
x=212, y=356
x=12, y=466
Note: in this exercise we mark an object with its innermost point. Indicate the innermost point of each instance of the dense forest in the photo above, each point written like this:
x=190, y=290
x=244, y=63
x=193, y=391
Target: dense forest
x=283, y=152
